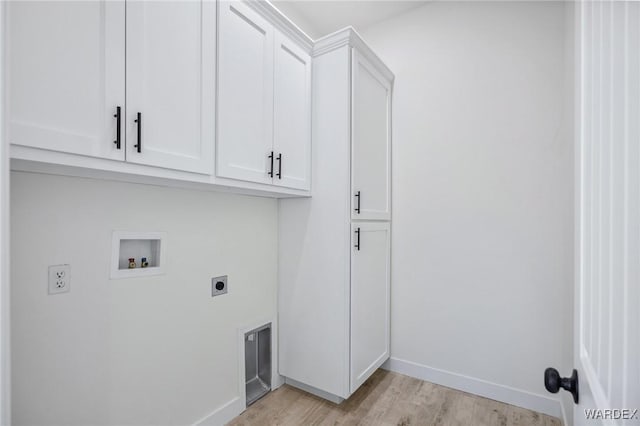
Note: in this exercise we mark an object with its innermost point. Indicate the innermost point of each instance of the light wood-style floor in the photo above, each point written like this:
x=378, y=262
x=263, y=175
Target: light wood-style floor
x=388, y=399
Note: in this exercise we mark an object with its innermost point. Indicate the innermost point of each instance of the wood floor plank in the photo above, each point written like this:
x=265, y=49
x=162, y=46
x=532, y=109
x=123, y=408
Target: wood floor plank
x=522, y=417
x=388, y=399
x=487, y=412
x=552, y=421
x=460, y=412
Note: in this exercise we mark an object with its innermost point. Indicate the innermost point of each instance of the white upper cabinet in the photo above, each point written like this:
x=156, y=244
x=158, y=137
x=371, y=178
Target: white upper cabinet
x=264, y=101
x=371, y=141
x=140, y=82
x=370, y=299
x=66, y=76
x=171, y=84
x=245, y=94
x=292, y=115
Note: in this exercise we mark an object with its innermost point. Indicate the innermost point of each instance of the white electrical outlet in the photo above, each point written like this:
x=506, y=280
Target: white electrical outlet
x=59, y=279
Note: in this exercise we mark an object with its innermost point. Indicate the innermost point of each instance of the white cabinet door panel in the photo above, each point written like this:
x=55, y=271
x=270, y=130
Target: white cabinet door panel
x=371, y=141
x=292, y=115
x=171, y=82
x=66, y=75
x=245, y=94
x=370, y=299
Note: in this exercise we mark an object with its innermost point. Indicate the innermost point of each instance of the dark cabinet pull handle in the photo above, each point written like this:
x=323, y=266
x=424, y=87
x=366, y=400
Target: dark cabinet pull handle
x=359, y=197
x=117, y=117
x=279, y=174
x=270, y=172
x=139, y=121
x=357, y=246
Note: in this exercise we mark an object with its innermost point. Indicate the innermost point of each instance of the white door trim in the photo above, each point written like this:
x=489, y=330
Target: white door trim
x=607, y=269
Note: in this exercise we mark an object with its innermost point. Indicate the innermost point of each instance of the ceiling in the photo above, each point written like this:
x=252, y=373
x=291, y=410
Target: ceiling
x=319, y=18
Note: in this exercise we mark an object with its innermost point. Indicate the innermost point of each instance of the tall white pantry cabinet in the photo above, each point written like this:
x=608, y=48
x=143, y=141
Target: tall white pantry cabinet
x=334, y=248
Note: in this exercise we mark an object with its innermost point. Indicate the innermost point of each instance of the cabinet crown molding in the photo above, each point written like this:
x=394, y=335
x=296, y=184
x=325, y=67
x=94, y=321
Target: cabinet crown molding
x=349, y=37
x=282, y=23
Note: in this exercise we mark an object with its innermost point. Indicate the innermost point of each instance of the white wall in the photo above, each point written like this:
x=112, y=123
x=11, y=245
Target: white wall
x=5, y=354
x=482, y=195
x=155, y=350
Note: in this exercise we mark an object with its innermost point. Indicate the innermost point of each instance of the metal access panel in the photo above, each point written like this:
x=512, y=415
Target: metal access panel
x=257, y=361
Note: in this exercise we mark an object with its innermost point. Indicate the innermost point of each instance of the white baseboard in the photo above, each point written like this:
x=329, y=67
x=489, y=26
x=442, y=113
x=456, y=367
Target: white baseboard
x=223, y=414
x=564, y=415
x=566, y=405
x=506, y=394
x=276, y=382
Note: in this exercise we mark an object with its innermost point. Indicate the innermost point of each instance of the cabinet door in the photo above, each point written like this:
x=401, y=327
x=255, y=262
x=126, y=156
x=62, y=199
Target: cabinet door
x=370, y=297
x=66, y=75
x=245, y=94
x=292, y=115
x=371, y=142
x=171, y=83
